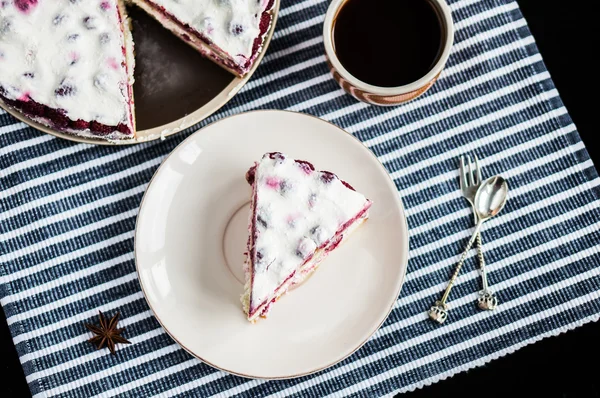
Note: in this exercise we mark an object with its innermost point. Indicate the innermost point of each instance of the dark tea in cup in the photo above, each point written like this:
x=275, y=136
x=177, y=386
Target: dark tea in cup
x=388, y=43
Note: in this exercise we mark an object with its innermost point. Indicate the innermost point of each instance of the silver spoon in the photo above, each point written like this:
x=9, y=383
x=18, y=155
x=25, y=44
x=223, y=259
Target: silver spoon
x=489, y=201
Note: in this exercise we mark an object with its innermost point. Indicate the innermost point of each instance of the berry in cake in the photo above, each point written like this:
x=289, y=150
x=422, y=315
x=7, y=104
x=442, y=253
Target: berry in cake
x=229, y=32
x=298, y=216
x=58, y=68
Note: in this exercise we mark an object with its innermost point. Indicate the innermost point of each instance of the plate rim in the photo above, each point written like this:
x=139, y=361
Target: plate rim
x=175, y=126
x=403, y=257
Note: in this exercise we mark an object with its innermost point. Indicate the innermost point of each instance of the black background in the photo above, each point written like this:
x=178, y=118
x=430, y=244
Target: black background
x=568, y=37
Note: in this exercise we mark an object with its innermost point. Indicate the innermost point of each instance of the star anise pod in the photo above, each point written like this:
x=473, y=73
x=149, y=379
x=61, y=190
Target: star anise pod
x=107, y=334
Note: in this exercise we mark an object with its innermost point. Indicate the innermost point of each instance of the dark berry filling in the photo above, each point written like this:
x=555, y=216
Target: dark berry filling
x=80, y=124
x=100, y=129
x=57, y=117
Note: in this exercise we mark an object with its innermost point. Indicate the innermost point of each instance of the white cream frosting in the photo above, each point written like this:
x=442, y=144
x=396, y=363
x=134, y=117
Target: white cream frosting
x=232, y=25
x=297, y=211
x=66, y=54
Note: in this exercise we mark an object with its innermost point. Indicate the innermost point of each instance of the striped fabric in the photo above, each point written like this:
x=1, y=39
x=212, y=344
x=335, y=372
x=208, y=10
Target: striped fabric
x=67, y=215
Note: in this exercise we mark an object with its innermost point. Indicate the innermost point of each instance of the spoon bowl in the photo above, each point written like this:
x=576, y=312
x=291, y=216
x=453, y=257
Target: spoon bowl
x=491, y=197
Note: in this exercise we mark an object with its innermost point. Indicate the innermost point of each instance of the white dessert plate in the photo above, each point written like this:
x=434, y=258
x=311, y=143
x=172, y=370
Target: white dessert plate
x=191, y=234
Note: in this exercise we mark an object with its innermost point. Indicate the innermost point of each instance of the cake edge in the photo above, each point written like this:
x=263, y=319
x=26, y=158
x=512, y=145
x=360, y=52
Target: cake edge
x=199, y=42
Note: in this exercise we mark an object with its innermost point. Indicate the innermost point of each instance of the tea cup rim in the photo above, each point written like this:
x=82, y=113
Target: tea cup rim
x=330, y=16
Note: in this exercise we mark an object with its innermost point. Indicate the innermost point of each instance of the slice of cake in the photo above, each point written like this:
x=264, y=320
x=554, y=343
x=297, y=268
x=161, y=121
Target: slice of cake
x=298, y=215
x=229, y=32
x=68, y=64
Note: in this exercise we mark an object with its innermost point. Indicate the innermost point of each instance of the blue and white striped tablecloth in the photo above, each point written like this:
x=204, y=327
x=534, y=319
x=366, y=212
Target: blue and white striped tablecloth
x=67, y=215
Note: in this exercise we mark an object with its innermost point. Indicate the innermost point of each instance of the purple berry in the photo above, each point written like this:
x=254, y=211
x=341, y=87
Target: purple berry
x=250, y=175
x=307, y=167
x=104, y=38
x=278, y=157
x=262, y=221
x=305, y=248
x=89, y=23
x=327, y=177
x=58, y=19
x=65, y=89
x=273, y=182
x=237, y=29
x=284, y=187
x=25, y=6
x=263, y=261
x=319, y=235
x=5, y=26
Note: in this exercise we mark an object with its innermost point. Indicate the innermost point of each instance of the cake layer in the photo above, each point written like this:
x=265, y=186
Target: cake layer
x=298, y=215
x=63, y=63
x=229, y=32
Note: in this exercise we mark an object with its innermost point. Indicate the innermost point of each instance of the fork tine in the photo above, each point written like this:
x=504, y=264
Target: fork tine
x=470, y=175
x=477, y=170
x=463, y=173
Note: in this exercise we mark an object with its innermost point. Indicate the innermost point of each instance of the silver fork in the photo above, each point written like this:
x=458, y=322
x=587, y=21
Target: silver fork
x=470, y=180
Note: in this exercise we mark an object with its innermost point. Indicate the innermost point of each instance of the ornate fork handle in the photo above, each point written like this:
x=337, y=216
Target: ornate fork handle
x=439, y=311
x=487, y=299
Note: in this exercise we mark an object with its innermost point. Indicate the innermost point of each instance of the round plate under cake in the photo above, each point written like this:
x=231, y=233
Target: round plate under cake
x=175, y=87
x=191, y=235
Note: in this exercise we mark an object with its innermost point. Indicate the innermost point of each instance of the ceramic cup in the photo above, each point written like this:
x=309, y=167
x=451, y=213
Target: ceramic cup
x=386, y=96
